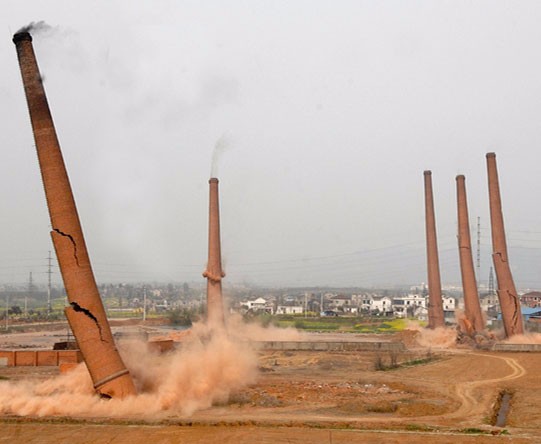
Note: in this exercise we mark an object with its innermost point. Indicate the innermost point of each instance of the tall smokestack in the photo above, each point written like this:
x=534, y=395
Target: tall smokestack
x=474, y=318
x=435, y=303
x=507, y=293
x=214, y=272
x=85, y=314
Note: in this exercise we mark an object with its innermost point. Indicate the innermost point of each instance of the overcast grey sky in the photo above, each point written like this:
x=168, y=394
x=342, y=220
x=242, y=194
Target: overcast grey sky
x=328, y=112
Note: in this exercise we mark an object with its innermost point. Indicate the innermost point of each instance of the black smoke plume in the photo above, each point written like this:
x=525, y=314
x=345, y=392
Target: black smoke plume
x=34, y=27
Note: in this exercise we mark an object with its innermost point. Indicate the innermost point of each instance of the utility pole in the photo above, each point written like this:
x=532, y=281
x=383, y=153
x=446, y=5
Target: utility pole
x=144, y=303
x=7, y=311
x=30, y=290
x=49, y=272
x=478, y=252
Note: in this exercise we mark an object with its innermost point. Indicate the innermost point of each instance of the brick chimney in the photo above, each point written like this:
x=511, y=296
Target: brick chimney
x=507, y=293
x=435, y=304
x=85, y=314
x=474, y=318
x=214, y=272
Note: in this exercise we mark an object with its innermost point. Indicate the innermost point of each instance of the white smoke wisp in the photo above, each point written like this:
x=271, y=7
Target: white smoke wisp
x=206, y=370
x=221, y=146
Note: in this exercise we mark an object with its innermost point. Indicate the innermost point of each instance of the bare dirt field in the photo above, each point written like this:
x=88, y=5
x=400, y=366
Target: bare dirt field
x=442, y=396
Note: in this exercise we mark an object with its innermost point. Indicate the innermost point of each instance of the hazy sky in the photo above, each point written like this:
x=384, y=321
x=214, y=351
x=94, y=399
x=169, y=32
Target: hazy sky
x=327, y=114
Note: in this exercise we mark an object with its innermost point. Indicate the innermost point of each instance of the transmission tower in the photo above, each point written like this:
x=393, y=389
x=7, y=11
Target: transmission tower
x=491, y=282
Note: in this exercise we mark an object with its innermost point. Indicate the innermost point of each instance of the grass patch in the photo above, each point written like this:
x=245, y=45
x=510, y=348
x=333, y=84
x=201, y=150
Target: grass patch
x=384, y=407
x=388, y=326
x=420, y=428
x=316, y=325
x=393, y=361
x=421, y=361
x=474, y=431
x=346, y=324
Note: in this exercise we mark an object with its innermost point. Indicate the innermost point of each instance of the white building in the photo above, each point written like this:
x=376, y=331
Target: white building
x=421, y=313
x=449, y=303
x=345, y=304
x=404, y=306
x=290, y=309
x=381, y=304
x=258, y=304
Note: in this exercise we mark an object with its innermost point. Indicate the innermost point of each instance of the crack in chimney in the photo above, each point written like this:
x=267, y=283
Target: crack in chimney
x=516, y=304
x=500, y=255
x=70, y=237
x=76, y=307
x=514, y=298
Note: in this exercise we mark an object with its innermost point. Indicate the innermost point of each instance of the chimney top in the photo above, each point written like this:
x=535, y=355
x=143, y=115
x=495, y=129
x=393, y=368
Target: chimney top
x=213, y=179
x=428, y=173
x=460, y=177
x=22, y=36
x=491, y=155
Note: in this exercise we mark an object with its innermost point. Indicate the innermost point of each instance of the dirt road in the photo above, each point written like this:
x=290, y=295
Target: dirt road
x=333, y=397
x=155, y=434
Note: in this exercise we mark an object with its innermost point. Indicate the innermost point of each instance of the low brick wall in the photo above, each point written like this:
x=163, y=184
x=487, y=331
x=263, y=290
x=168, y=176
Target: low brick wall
x=517, y=347
x=47, y=358
x=26, y=358
x=69, y=357
x=33, y=358
x=332, y=346
x=7, y=358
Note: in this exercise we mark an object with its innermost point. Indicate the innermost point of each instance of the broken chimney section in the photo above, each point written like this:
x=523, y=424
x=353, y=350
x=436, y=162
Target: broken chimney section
x=507, y=293
x=85, y=314
x=473, y=322
x=435, y=304
x=214, y=272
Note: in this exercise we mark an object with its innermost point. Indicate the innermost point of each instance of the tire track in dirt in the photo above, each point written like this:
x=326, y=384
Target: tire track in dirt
x=464, y=391
x=470, y=407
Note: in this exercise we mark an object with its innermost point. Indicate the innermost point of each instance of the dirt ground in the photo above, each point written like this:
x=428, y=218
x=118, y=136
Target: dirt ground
x=335, y=397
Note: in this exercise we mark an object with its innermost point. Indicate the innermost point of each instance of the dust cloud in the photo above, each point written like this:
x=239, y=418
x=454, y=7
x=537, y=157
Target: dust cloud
x=441, y=337
x=206, y=370
x=241, y=331
x=527, y=338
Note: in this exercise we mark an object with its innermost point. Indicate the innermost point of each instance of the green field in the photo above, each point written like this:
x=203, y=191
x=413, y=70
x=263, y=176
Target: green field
x=341, y=324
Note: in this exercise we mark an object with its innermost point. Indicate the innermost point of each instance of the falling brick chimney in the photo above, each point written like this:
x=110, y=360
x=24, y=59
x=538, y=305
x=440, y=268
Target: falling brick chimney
x=214, y=272
x=85, y=314
x=435, y=303
x=474, y=322
x=507, y=293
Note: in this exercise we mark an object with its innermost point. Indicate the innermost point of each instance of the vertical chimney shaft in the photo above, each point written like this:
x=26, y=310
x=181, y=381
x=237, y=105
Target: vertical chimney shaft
x=85, y=314
x=435, y=303
x=507, y=293
x=475, y=323
x=214, y=272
